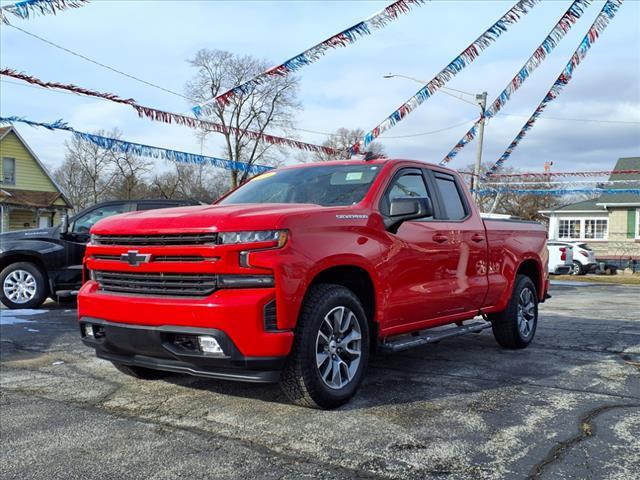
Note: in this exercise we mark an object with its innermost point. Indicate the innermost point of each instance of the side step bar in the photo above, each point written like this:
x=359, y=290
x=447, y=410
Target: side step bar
x=66, y=293
x=431, y=336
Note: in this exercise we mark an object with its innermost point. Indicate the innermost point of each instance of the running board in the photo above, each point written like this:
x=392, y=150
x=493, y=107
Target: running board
x=66, y=293
x=431, y=336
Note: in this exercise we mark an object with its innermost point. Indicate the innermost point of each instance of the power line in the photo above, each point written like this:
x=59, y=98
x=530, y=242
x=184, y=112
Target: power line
x=431, y=132
x=594, y=120
x=95, y=62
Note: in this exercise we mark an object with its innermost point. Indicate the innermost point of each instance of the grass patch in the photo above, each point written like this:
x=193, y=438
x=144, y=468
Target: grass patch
x=615, y=279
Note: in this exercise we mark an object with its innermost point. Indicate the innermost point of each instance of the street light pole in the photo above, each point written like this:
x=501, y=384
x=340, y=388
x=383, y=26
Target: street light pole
x=475, y=180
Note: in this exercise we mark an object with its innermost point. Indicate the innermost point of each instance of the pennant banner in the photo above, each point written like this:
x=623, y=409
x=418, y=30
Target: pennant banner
x=28, y=8
x=601, y=22
x=570, y=17
x=179, y=119
x=144, y=150
x=8, y=72
x=346, y=37
x=169, y=117
x=601, y=173
x=566, y=183
x=562, y=191
x=521, y=8
x=166, y=154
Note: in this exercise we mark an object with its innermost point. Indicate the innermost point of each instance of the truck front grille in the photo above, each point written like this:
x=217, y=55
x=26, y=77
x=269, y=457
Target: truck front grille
x=144, y=240
x=157, y=258
x=157, y=284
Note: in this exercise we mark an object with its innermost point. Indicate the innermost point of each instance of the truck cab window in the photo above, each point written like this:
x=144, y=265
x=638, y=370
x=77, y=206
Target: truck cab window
x=454, y=207
x=84, y=223
x=410, y=184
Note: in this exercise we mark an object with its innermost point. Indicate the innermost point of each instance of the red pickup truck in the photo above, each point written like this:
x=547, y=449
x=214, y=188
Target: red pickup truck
x=303, y=272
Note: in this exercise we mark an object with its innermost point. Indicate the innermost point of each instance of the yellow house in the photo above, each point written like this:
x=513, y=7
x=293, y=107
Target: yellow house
x=29, y=196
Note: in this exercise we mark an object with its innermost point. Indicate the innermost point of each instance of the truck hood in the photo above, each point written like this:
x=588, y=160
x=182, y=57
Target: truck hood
x=205, y=218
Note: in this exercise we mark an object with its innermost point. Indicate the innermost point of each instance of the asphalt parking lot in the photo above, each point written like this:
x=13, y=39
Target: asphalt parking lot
x=566, y=407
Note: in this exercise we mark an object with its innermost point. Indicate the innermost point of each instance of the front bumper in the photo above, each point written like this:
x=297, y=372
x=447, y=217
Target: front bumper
x=168, y=348
x=239, y=313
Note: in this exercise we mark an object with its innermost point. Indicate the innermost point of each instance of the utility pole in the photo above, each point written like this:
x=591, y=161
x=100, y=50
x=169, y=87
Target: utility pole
x=481, y=101
x=475, y=180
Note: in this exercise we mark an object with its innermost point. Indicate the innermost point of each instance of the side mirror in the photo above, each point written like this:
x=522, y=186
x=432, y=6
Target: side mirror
x=407, y=208
x=64, y=224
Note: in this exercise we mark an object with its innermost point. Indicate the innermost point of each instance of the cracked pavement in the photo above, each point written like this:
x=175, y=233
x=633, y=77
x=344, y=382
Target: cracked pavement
x=566, y=407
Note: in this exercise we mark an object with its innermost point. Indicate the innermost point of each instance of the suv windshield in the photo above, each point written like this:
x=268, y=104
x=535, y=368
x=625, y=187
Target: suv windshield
x=327, y=185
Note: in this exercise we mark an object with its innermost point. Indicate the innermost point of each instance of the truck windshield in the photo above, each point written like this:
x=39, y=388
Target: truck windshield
x=327, y=185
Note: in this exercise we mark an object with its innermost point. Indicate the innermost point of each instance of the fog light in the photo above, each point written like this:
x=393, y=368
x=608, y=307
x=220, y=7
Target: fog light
x=88, y=330
x=209, y=345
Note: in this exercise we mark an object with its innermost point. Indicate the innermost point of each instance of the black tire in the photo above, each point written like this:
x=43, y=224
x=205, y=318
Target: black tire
x=506, y=324
x=41, y=286
x=578, y=269
x=301, y=380
x=140, y=373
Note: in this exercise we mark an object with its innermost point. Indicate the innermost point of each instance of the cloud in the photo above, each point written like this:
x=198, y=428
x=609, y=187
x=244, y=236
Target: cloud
x=343, y=89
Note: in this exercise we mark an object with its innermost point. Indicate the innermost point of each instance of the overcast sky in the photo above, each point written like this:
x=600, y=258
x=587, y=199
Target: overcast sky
x=153, y=39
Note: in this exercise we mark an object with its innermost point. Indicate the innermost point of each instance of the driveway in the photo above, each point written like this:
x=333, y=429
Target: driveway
x=566, y=407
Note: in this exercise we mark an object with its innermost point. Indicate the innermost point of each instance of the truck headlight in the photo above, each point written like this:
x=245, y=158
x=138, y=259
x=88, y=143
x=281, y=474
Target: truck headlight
x=92, y=239
x=277, y=237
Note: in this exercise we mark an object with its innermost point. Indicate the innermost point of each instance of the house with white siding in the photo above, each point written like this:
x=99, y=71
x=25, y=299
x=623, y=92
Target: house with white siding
x=609, y=224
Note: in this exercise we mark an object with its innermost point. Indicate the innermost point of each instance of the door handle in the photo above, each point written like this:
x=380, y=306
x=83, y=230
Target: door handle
x=440, y=238
x=477, y=238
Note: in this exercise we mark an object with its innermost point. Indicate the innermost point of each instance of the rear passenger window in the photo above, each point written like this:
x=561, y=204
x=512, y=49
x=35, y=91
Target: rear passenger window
x=454, y=208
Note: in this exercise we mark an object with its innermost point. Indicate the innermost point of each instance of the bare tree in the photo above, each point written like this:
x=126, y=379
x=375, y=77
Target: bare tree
x=271, y=104
x=342, y=140
x=86, y=172
x=196, y=182
x=75, y=183
x=129, y=173
x=507, y=202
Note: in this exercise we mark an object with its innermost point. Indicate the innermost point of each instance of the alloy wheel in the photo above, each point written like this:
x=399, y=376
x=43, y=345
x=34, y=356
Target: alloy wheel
x=338, y=347
x=20, y=286
x=526, y=312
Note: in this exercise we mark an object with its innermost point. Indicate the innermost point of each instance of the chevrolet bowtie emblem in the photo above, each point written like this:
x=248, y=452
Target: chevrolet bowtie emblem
x=133, y=258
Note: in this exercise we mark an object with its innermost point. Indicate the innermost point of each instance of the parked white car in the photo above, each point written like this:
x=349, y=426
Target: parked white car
x=560, y=258
x=583, y=261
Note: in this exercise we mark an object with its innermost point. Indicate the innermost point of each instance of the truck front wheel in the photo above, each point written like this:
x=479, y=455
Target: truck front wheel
x=24, y=285
x=330, y=350
x=515, y=327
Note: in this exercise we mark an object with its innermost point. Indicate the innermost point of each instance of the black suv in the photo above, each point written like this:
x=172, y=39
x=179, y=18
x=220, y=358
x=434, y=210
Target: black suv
x=41, y=263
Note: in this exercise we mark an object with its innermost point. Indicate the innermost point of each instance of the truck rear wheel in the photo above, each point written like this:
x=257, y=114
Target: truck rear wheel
x=24, y=285
x=140, y=373
x=330, y=350
x=515, y=327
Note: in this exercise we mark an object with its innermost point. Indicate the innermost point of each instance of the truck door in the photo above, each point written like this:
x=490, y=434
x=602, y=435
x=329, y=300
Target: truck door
x=462, y=235
x=76, y=239
x=416, y=259
x=439, y=266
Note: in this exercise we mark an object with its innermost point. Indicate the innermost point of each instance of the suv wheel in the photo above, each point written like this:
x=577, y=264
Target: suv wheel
x=24, y=285
x=330, y=350
x=577, y=268
x=515, y=327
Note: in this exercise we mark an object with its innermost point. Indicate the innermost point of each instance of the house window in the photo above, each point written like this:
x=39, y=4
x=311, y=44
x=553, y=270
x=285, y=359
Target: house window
x=569, y=229
x=9, y=171
x=596, y=229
